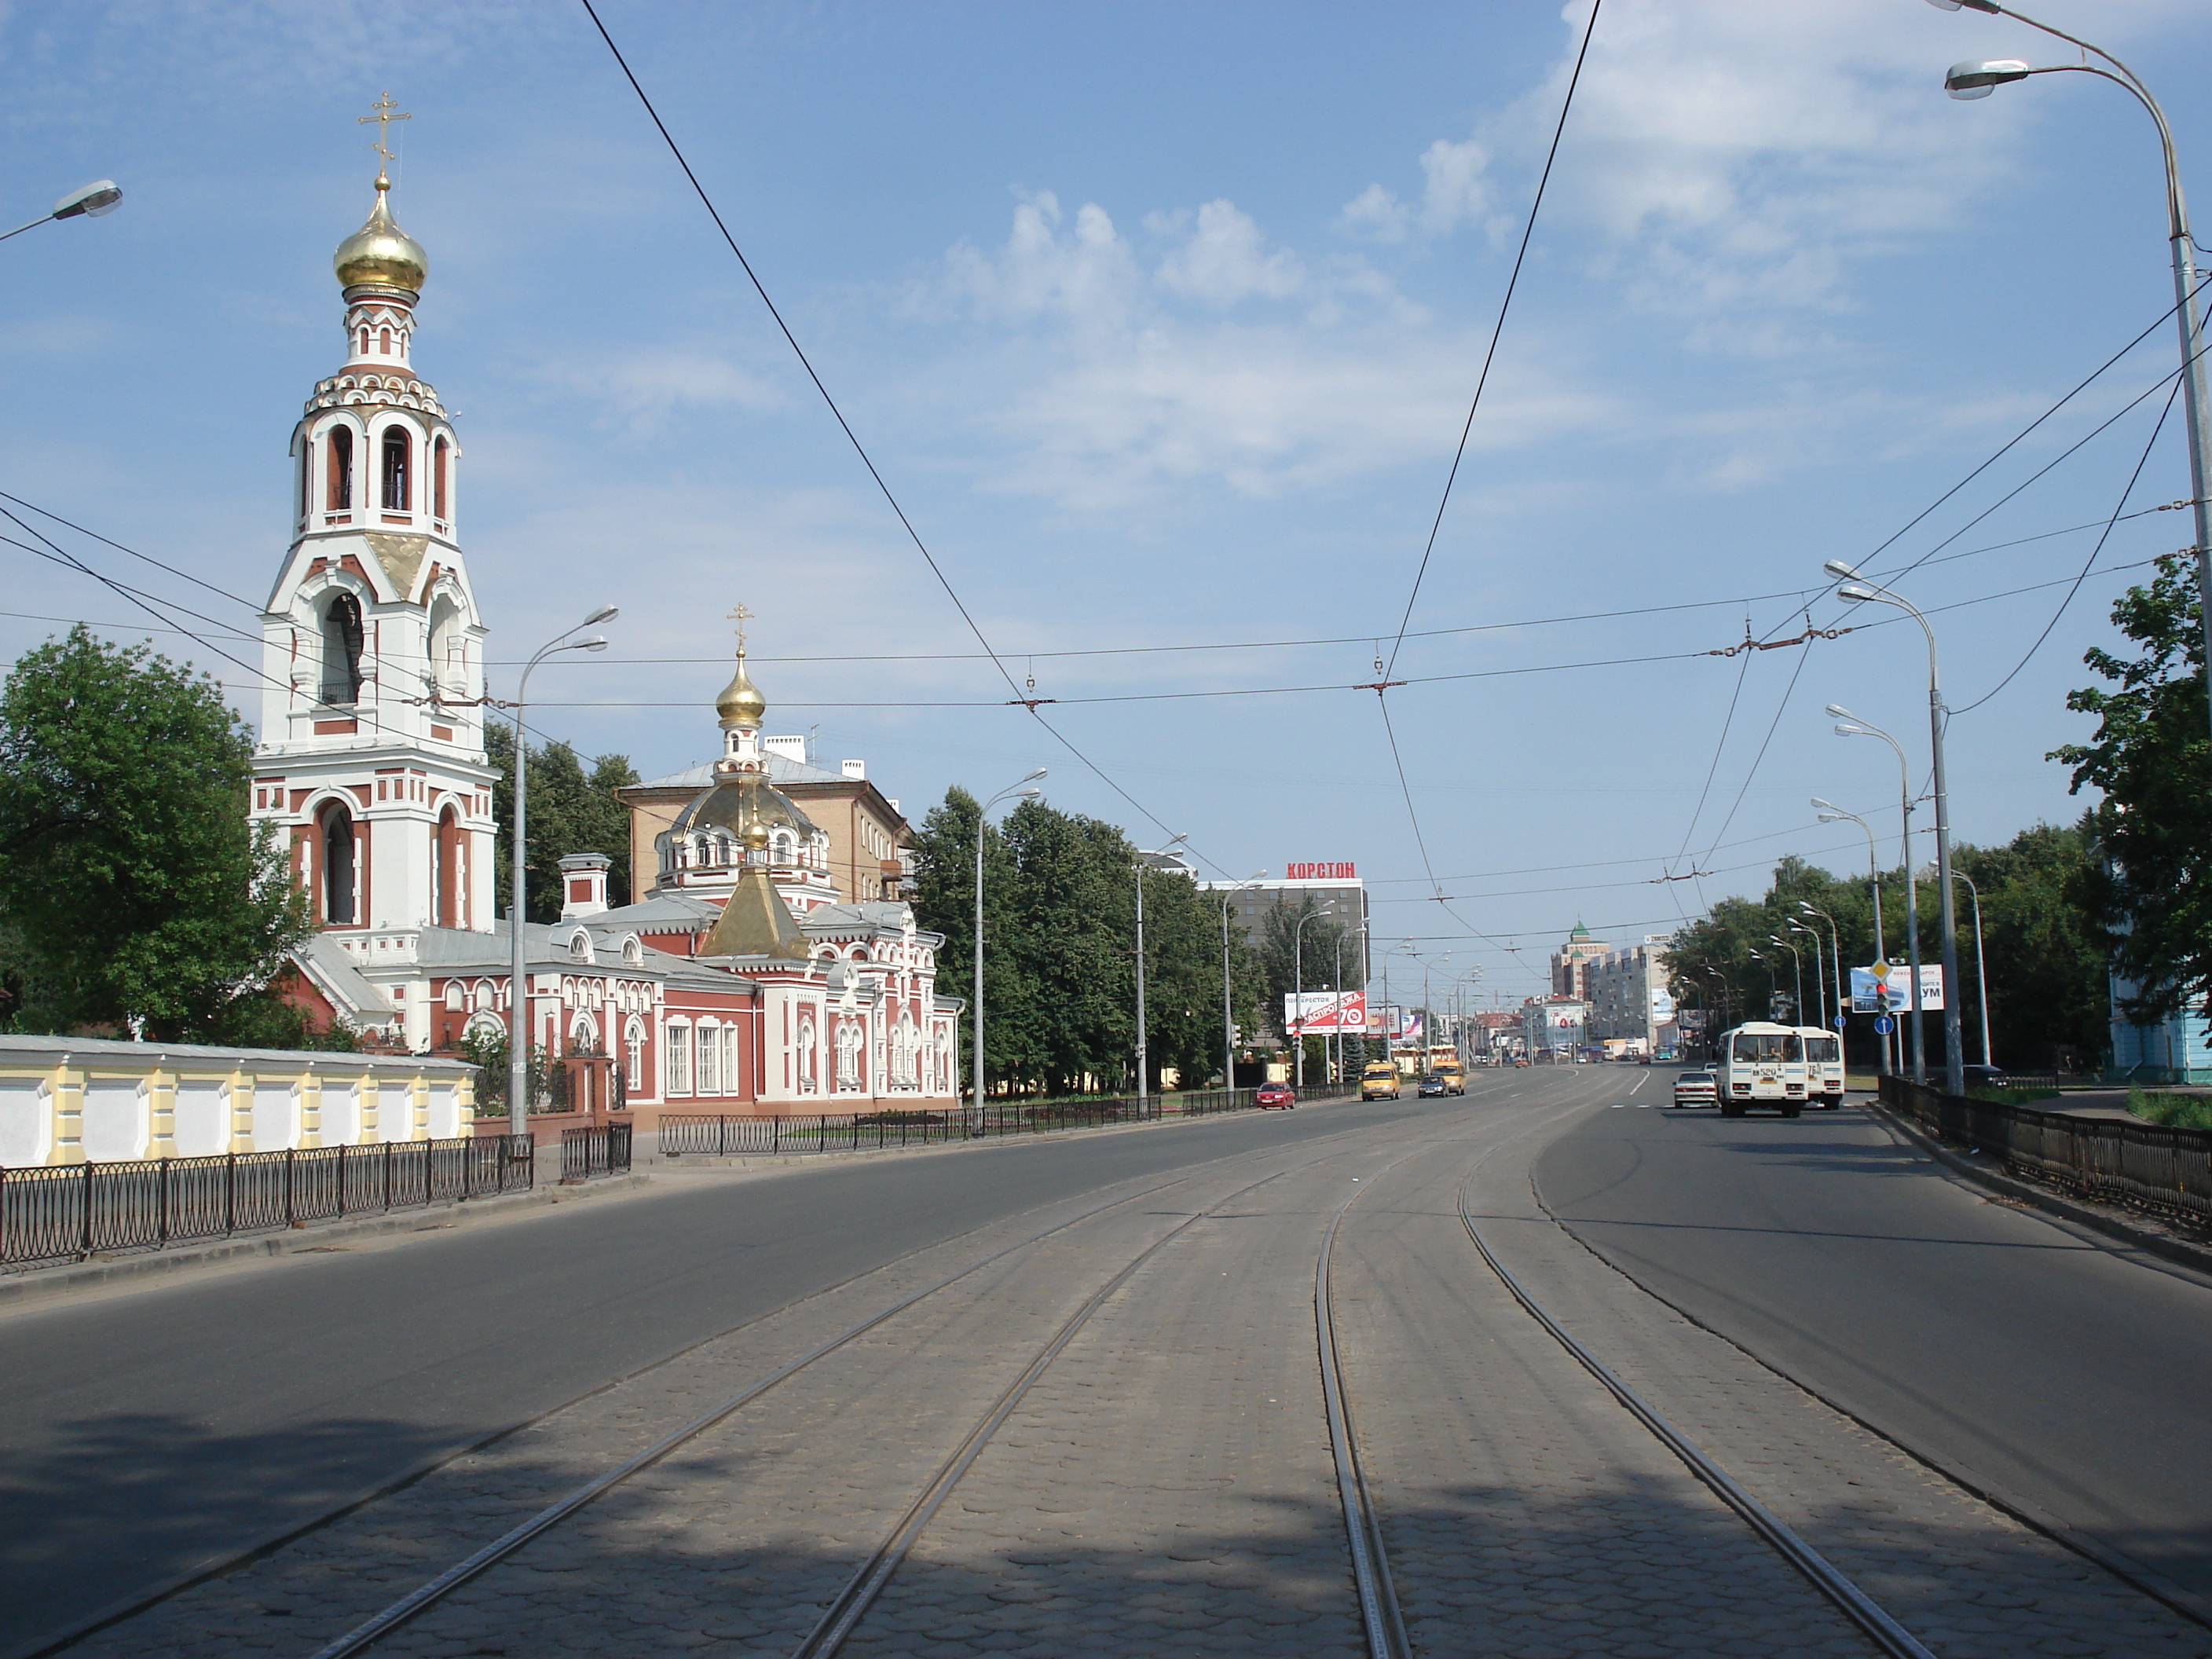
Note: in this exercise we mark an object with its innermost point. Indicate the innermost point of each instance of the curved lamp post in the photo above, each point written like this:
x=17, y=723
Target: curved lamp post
x=1978, y=78
x=1835, y=950
x=1981, y=973
x=1773, y=986
x=1831, y=813
x=517, y=990
x=1819, y=974
x=982, y=820
x=92, y=201
x=1797, y=972
x=1852, y=726
x=1143, y=1051
x=1858, y=590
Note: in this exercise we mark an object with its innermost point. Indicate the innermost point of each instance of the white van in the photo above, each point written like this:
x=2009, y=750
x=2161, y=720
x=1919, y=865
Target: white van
x=1824, y=1066
x=1761, y=1064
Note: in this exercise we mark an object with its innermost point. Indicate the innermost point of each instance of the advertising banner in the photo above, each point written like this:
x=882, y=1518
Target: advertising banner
x=1868, y=984
x=1325, y=1011
x=1692, y=1020
x=1663, y=1006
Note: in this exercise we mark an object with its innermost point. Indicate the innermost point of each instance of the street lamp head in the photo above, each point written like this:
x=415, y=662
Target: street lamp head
x=1029, y=795
x=1841, y=571
x=1841, y=713
x=102, y=196
x=1856, y=593
x=1979, y=77
x=597, y=642
x=1845, y=729
x=1825, y=805
x=1832, y=817
x=605, y=613
x=1035, y=775
x=1988, y=6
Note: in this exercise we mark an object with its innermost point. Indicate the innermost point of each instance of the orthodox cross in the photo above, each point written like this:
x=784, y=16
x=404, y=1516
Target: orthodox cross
x=383, y=118
x=741, y=616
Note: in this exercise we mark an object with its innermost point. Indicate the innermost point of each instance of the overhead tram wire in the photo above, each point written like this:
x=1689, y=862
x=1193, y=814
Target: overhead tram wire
x=853, y=438
x=2088, y=564
x=185, y=575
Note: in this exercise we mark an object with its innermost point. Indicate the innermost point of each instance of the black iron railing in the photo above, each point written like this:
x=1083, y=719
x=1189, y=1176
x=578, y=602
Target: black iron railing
x=2152, y=1164
x=603, y=1150
x=72, y=1210
x=705, y=1135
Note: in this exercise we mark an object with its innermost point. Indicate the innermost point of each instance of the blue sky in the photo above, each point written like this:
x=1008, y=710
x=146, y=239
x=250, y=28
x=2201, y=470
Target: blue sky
x=1161, y=321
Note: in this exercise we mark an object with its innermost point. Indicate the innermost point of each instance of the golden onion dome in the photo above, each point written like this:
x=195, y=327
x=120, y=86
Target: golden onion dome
x=380, y=252
x=741, y=702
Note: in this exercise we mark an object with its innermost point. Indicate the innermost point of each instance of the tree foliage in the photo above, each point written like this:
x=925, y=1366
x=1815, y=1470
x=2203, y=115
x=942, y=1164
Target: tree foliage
x=1059, y=963
x=133, y=893
x=570, y=810
x=2149, y=894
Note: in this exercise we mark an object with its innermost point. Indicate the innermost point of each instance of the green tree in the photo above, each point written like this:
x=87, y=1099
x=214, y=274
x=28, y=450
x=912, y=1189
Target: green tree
x=133, y=894
x=2147, y=888
x=2049, y=996
x=945, y=903
x=570, y=812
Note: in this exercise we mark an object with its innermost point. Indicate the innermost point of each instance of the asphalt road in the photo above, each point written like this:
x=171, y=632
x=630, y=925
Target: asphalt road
x=2048, y=1366
x=148, y=1433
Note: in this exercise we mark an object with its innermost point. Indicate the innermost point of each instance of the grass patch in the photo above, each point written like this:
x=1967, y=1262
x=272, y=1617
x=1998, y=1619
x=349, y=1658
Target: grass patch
x=2011, y=1097
x=2182, y=1111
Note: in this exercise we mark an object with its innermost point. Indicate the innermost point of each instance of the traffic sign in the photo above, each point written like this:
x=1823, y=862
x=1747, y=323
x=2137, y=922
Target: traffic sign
x=1838, y=1023
x=1884, y=1024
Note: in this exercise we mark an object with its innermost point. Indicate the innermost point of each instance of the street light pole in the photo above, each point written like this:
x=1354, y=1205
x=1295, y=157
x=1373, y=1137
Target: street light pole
x=1227, y=1013
x=1852, y=726
x=1831, y=814
x=1978, y=80
x=1797, y=969
x=1835, y=950
x=1143, y=1052
x=1819, y=972
x=1857, y=590
x=982, y=822
x=1981, y=975
x=518, y=989
x=90, y=201
x=1299, y=997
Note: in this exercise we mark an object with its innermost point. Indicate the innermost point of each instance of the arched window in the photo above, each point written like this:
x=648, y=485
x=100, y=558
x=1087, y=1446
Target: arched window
x=445, y=854
x=397, y=451
x=384, y=343
x=337, y=470
x=784, y=847
x=362, y=345
x=710, y=1058
x=438, y=481
x=338, y=865
x=634, y=1054
x=343, y=636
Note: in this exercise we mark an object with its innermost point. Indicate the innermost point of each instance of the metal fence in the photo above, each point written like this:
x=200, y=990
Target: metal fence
x=2152, y=1164
x=703, y=1135
x=70, y=1212
x=603, y=1150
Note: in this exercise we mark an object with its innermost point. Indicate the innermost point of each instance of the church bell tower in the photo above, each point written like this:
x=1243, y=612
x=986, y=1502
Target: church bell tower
x=372, y=760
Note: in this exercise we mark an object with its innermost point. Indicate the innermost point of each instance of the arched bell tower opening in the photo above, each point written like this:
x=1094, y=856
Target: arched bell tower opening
x=399, y=469
x=341, y=871
x=445, y=875
x=337, y=470
x=344, y=637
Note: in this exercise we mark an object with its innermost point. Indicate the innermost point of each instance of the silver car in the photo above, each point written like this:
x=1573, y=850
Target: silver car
x=1696, y=1089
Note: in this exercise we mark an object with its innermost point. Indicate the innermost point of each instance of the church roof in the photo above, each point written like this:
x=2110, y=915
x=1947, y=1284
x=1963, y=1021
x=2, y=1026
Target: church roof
x=781, y=768
x=754, y=922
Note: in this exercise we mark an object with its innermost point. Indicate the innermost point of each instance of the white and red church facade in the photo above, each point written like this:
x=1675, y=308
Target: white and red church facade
x=747, y=991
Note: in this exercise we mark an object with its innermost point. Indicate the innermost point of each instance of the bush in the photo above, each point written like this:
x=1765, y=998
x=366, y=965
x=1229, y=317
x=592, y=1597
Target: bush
x=2181, y=1111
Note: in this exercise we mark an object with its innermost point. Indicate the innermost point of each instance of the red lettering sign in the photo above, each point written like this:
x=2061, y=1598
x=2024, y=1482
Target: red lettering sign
x=1320, y=872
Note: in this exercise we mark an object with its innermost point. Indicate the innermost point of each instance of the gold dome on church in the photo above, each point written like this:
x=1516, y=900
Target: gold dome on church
x=741, y=702
x=380, y=252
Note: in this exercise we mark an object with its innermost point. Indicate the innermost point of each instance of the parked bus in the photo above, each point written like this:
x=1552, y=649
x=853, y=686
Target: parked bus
x=1761, y=1064
x=1824, y=1066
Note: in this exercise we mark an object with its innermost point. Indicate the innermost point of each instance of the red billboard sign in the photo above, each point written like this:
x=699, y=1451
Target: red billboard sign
x=1320, y=872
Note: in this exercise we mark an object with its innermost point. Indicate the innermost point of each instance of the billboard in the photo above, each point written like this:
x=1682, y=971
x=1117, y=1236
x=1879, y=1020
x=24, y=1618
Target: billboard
x=1867, y=986
x=1692, y=1020
x=1325, y=1011
x=1320, y=872
x=1663, y=1006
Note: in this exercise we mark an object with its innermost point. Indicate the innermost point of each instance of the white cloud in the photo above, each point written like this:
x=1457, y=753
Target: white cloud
x=1226, y=260
x=644, y=389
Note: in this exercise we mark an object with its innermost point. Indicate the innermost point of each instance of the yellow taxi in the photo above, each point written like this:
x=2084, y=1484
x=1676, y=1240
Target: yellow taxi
x=1378, y=1081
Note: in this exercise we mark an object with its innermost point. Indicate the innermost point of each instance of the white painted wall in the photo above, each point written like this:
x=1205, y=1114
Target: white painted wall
x=117, y=1121
x=276, y=1117
x=202, y=1117
x=26, y=1123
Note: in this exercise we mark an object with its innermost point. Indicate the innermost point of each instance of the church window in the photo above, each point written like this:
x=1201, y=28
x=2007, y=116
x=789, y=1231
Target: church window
x=445, y=854
x=343, y=635
x=710, y=1060
x=396, y=459
x=806, y=1082
x=634, y=1054
x=338, y=471
x=438, y=481
x=679, y=1059
x=731, y=1073
x=337, y=866
x=384, y=343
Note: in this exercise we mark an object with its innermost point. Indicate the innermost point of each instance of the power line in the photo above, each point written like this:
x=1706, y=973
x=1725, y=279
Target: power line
x=1497, y=331
x=186, y=575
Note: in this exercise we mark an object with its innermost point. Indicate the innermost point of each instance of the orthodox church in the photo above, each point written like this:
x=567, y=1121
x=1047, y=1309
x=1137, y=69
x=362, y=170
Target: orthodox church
x=745, y=982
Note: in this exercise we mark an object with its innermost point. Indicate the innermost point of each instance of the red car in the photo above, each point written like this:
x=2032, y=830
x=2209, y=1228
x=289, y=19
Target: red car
x=1269, y=1095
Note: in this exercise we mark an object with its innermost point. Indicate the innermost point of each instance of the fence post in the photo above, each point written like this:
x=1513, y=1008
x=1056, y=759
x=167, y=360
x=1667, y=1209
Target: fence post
x=85, y=1232
x=165, y=1200
x=290, y=1219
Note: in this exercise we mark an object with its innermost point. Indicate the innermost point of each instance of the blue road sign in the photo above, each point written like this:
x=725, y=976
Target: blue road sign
x=1839, y=1022
x=1884, y=1024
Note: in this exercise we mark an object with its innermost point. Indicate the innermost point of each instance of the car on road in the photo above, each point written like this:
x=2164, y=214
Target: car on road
x=1270, y=1096
x=1696, y=1089
x=1984, y=1077
x=1379, y=1080
x=1432, y=1083
x=1454, y=1074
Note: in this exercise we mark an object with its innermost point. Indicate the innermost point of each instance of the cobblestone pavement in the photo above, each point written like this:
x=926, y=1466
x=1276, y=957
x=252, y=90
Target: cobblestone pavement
x=1167, y=1489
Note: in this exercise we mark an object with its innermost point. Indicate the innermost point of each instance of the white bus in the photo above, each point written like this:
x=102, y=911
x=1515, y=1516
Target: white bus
x=1824, y=1066
x=1759, y=1064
